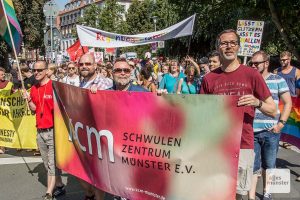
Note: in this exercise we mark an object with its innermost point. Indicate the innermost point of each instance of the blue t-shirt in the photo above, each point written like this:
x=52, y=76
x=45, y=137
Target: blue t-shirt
x=170, y=83
x=190, y=89
x=277, y=86
x=132, y=88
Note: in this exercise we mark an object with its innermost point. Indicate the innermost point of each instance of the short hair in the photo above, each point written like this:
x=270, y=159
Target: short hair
x=213, y=54
x=73, y=63
x=227, y=31
x=2, y=69
x=120, y=59
x=285, y=53
x=24, y=67
x=146, y=73
x=44, y=62
x=203, y=60
x=265, y=56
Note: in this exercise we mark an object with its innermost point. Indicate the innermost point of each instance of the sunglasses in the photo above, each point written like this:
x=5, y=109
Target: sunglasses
x=86, y=64
x=257, y=63
x=38, y=70
x=71, y=68
x=119, y=70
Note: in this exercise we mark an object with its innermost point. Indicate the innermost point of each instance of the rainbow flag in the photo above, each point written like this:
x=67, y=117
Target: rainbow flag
x=291, y=130
x=14, y=24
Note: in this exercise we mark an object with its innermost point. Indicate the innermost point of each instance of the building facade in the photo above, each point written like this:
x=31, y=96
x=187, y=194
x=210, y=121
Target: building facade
x=67, y=18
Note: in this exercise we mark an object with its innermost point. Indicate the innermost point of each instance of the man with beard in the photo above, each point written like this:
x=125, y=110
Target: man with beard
x=121, y=75
x=266, y=129
x=235, y=79
x=93, y=82
x=41, y=102
x=290, y=73
x=91, y=79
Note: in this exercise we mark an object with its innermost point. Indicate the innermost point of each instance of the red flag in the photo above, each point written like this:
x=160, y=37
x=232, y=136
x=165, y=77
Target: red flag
x=76, y=51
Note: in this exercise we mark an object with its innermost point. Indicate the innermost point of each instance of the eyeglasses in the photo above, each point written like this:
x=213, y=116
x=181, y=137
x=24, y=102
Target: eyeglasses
x=120, y=70
x=86, y=64
x=228, y=43
x=38, y=70
x=257, y=63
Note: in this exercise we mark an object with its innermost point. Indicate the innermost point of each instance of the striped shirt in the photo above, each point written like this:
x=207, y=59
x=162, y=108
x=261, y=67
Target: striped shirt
x=277, y=86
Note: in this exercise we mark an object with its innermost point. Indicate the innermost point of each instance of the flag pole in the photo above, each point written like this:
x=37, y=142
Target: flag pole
x=14, y=48
x=191, y=36
x=19, y=70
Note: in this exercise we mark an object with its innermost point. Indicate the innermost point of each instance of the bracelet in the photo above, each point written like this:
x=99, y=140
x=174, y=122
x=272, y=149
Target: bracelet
x=259, y=105
x=282, y=121
x=29, y=100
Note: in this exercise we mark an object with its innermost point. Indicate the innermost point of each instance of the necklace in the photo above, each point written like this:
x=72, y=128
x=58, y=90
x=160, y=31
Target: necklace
x=43, y=101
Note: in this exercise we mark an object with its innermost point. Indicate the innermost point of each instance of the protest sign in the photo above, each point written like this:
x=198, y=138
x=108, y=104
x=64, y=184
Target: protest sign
x=92, y=37
x=141, y=146
x=291, y=130
x=250, y=33
x=17, y=123
x=98, y=56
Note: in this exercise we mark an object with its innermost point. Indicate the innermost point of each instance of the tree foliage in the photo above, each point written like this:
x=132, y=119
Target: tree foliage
x=108, y=18
x=31, y=18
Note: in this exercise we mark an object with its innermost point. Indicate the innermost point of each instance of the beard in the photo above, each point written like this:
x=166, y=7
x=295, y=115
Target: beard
x=87, y=73
x=229, y=55
x=122, y=81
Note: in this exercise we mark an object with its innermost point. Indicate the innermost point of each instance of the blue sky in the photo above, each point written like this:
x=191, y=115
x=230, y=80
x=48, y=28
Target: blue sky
x=61, y=3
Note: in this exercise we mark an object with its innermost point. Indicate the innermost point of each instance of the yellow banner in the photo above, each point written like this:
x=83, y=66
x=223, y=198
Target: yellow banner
x=17, y=122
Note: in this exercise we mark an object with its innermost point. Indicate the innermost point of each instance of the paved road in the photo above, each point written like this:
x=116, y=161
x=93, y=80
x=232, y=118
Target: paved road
x=19, y=181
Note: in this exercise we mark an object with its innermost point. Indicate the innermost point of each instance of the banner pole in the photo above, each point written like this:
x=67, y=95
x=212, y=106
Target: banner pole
x=190, y=39
x=245, y=60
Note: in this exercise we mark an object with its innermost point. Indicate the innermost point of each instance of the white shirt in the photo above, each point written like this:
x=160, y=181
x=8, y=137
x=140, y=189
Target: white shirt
x=72, y=81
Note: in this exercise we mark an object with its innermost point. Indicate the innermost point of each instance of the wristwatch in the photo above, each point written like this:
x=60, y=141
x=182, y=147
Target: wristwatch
x=259, y=105
x=282, y=121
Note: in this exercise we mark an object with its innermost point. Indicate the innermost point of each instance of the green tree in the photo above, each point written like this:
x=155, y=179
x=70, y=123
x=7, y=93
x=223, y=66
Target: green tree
x=109, y=18
x=140, y=19
x=31, y=19
x=281, y=30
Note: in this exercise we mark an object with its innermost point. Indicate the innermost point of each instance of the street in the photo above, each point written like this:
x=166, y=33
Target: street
x=21, y=181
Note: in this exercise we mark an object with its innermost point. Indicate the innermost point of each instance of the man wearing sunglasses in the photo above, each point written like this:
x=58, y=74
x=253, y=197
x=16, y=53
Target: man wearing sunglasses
x=121, y=75
x=239, y=80
x=290, y=73
x=267, y=129
x=92, y=80
x=41, y=102
x=122, y=82
x=72, y=78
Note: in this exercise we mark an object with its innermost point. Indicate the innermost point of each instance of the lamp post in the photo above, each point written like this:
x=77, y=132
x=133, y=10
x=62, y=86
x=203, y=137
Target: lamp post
x=50, y=12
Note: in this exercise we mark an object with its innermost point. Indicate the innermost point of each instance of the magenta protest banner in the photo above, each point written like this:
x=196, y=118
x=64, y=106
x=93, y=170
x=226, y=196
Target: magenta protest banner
x=141, y=146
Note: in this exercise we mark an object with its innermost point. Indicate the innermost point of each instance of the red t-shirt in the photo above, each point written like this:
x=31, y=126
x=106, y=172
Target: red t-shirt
x=42, y=97
x=244, y=80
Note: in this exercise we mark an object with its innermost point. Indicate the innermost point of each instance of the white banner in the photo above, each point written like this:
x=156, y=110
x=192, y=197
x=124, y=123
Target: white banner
x=92, y=37
x=250, y=33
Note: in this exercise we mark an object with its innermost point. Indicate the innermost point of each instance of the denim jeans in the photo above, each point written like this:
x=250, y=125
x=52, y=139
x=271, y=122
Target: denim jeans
x=266, y=145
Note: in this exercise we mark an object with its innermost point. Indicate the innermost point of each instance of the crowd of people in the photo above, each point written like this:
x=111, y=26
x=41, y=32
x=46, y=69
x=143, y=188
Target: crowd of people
x=220, y=73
